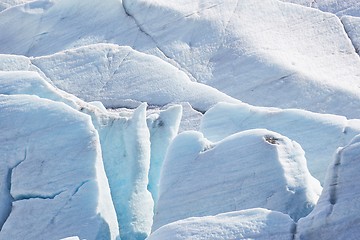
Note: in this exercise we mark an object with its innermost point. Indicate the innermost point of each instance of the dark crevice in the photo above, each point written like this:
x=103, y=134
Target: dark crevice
x=334, y=181
x=7, y=209
x=293, y=231
x=8, y=180
x=75, y=191
x=37, y=196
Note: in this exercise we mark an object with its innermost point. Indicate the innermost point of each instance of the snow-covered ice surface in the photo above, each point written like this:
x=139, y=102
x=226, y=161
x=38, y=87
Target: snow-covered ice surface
x=48, y=27
x=352, y=28
x=340, y=8
x=113, y=74
x=4, y=4
x=293, y=50
x=318, y=134
x=336, y=216
x=260, y=224
x=262, y=52
x=51, y=187
x=81, y=58
x=255, y=168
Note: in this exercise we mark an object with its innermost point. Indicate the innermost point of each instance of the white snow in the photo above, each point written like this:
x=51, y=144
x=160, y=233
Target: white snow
x=71, y=238
x=318, y=134
x=52, y=193
x=340, y=8
x=112, y=74
x=255, y=168
x=48, y=27
x=260, y=224
x=336, y=216
x=352, y=28
x=94, y=93
x=4, y=4
x=262, y=52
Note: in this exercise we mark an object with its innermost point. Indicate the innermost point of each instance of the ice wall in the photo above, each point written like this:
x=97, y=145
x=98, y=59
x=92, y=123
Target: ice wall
x=125, y=143
x=336, y=216
x=163, y=126
x=116, y=74
x=53, y=187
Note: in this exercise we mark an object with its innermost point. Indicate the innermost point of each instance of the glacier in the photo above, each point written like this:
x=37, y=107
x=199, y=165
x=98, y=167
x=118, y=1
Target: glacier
x=261, y=169
x=304, y=127
x=255, y=223
x=336, y=216
x=70, y=184
x=179, y=120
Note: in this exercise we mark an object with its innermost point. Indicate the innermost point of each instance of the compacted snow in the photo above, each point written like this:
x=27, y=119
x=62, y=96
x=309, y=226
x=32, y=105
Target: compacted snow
x=255, y=168
x=247, y=224
x=318, y=134
x=166, y=119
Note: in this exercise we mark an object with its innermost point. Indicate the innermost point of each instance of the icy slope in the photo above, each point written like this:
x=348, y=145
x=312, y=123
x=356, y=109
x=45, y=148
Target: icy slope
x=48, y=26
x=318, y=134
x=265, y=53
x=116, y=75
x=69, y=183
x=255, y=168
x=336, y=216
x=260, y=224
x=262, y=52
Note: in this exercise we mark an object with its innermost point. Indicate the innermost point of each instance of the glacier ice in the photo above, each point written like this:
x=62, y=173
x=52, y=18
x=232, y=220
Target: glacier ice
x=264, y=53
x=125, y=144
x=121, y=53
x=48, y=26
x=52, y=193
x=336, y=216
x=113, y=74
x=163, y=126
x=352, y=28
x=254, y=168
x=318, y=134
x=340, y=8
x=260, y=224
